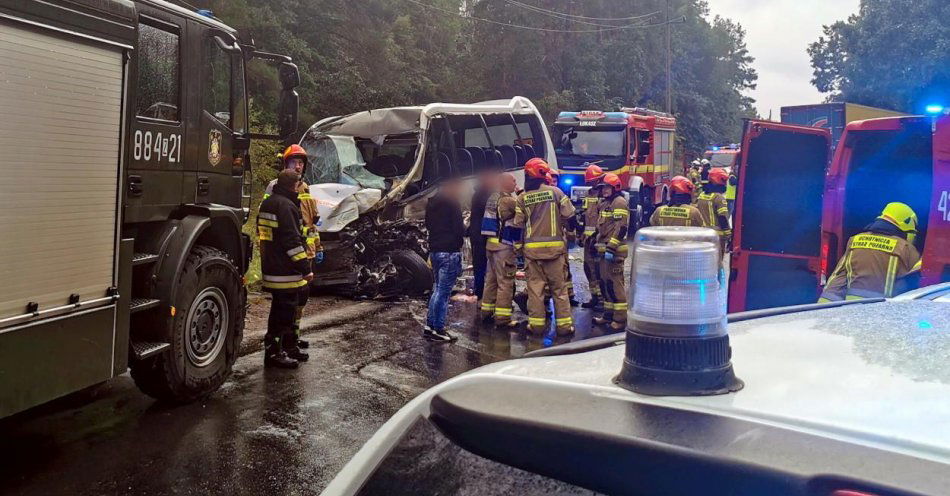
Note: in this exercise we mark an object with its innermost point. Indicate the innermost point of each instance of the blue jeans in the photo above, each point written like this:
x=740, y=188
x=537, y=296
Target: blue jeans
x=446, y=268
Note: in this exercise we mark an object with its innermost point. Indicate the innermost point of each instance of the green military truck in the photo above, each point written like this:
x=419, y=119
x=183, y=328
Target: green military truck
x=124, y=174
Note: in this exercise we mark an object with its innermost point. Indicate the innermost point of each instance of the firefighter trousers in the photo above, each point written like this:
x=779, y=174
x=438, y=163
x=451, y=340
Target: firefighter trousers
x=280, y=321
x=590, y=266
x=610, y=275
x=548, y=273
x=499, y=286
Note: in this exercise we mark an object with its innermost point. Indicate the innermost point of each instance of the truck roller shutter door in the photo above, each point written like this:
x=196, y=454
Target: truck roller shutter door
x=60, y=116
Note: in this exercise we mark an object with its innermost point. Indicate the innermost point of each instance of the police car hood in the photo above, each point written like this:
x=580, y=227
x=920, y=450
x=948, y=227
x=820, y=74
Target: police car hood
x=878, y=374
x=874, y=375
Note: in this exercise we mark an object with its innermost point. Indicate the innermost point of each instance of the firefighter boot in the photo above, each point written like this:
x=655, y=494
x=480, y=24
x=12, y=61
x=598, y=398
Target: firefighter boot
x=593, y=303
x=274, y=356
x=291, y=348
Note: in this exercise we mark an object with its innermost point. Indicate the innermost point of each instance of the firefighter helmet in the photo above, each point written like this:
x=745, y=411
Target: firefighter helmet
x=681, y=185
x=719, y=176
x=536, y=168
x=902, y=216
x=294, y=151
x=611, y=179
x=593, y=174
x=704, y=162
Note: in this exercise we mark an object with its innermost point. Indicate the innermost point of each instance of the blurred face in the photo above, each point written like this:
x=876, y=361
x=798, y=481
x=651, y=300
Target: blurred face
x=452, y=188
x=606, y=190
x=296, y=164
x=488, y=180
x=508, y=183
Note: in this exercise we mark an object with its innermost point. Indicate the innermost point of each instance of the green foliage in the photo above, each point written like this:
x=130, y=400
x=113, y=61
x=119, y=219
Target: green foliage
x=891, y=54
x=379, y=53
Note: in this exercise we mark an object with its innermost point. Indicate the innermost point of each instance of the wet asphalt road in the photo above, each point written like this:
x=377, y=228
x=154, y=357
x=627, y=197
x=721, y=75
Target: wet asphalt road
x=265, y=431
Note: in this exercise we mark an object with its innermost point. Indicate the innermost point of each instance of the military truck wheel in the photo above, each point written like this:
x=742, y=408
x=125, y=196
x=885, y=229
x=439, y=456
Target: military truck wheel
x=205, y=331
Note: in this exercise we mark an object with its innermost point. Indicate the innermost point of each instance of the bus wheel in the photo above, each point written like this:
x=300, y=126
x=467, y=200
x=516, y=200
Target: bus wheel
x=204, y=331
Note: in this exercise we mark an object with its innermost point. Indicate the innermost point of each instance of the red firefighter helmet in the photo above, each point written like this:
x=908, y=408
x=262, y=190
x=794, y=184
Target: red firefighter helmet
x=611, y=179
x=718, y=175
x=593, y=174
x=537, y=168
x=294, y=151
x=681, y=185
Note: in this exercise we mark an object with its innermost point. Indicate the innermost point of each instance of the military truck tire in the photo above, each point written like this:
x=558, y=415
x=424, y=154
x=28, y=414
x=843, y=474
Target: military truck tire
x=414, y=271
x=205, y=331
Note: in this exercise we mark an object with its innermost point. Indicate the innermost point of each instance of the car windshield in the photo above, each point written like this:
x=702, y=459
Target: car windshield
x=338, y=159
x=589, y=142
x=722, y=159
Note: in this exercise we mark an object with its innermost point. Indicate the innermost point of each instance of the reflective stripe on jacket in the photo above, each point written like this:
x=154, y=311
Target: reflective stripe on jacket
x=682, y=215
x=591, y=215
x=309, y=215
x=715, y=212
x=870, y=266
x=614, y=219
x=284, y=261
x=543, y=213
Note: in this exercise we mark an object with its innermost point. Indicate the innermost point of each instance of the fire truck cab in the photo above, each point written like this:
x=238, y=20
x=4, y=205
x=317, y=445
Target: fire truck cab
x=635, y=143
x=786, y=246
x=725, y=156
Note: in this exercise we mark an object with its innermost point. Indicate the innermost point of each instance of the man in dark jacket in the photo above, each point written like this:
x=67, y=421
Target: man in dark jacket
x=478, y=233
x=446, y=232
x=284, y=267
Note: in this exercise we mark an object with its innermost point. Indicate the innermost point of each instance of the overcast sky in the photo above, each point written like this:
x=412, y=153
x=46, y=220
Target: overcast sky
x=778, y=32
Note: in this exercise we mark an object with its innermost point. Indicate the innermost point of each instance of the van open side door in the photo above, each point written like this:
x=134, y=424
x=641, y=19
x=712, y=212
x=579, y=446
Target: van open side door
x=777, y=224
x=936, y=252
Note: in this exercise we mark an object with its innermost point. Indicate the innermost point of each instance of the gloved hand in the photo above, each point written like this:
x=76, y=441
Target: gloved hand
x=609, y=256
x=319, y=257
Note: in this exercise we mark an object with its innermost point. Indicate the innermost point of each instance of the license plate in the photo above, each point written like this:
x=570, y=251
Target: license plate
x=587, y=123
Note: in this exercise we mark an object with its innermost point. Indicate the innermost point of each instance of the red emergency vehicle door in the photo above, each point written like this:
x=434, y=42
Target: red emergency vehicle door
x=936, y=253
x=777, y=223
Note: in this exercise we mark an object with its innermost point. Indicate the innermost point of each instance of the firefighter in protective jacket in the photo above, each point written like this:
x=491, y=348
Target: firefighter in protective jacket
x=541, y=212
x=593, y=177
x=612, y=249
x=679, y=212
x=284, y=266
x=713, y=207
x=295, y=158
x=877, y=258
x=500, y=246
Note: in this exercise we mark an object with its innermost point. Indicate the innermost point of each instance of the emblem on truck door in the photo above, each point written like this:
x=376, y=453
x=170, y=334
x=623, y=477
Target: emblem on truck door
x=214, y=147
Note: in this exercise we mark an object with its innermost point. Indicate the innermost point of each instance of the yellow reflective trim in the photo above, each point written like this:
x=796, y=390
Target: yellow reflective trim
x=503, y=312
x=536, y=321
x=265, y=233
x=918, y=265
x=620, y=213
x=285, y=285
x=891, y=275
x=488, y=306
x=544, y=244
x=824, y=300
x=563, y=320
x=553, y=216
x=265, y=222
x=874, y=242
x=723, y=211
x=494, y=241
x=299, y=256
x=312, y=241
x=853, y=297
x=304, y=196
x=613, y=241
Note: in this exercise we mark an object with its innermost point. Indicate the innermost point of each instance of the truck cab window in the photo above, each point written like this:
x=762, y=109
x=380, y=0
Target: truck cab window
x=158, y=81
x=217, y=86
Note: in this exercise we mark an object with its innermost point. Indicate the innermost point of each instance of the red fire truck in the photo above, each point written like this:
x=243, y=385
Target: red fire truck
x=635, y=143
x=785, y=246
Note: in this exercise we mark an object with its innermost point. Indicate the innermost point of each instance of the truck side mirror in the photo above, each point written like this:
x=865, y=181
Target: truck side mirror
x=289, y=76
x=287, y=112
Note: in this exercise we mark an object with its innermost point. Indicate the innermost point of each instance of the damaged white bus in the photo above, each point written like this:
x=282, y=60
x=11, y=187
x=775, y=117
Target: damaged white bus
x=373, y=171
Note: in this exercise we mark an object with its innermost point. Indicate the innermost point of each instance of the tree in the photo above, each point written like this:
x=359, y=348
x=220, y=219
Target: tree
x=891, y=54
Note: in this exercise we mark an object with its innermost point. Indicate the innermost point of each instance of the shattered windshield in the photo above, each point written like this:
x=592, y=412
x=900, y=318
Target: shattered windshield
x=589, y=142
x=337, y=159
